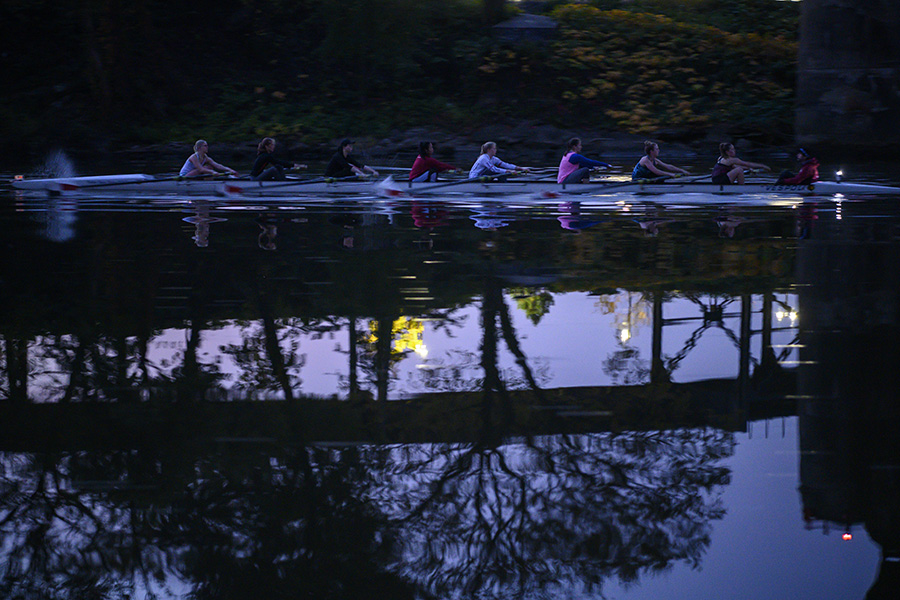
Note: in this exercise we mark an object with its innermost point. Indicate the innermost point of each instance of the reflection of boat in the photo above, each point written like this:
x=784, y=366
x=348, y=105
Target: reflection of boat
x=138, y=183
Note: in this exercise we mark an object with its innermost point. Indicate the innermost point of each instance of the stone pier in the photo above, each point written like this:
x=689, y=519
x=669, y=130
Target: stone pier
x=848, y=88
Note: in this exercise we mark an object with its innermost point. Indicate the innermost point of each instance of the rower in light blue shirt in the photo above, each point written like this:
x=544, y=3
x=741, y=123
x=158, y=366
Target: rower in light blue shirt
x=488, y=165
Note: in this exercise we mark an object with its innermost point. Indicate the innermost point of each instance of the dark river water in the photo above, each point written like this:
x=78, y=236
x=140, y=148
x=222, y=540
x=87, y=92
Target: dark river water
x=618, y=398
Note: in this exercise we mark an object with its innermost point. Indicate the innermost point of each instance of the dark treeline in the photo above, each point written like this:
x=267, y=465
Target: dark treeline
x=106, y=74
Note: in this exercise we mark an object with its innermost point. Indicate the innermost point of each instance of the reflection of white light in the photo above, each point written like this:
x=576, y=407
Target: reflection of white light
x=422, y=351
x=624, y=333
x=838, y=211
x=793, y=315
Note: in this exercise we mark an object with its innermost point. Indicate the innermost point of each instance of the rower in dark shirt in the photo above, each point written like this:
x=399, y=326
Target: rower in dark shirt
x=342, y=164
x=267, y=166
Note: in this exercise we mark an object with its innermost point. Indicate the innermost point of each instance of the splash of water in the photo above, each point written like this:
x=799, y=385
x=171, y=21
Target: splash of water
x=57, y=164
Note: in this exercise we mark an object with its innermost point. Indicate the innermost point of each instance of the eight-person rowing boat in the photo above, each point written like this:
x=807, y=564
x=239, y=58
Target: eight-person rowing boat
x=347, y=176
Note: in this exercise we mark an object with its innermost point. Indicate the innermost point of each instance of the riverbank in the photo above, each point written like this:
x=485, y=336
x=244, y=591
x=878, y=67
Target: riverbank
x=526, y=143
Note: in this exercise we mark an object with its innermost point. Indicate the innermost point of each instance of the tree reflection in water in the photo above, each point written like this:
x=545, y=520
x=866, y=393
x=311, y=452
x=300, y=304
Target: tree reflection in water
x=560, y=513
x=522, y=519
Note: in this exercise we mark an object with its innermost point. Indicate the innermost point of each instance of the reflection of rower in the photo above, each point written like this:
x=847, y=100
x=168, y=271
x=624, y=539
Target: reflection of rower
x=428, y=214
x=268, y=226
x=488, y=219
x=651, y=226
x=572, y=219
x=201, y=220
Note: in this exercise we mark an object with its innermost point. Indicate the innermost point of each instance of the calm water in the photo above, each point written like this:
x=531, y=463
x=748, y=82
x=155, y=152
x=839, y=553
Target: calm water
x=458, y=398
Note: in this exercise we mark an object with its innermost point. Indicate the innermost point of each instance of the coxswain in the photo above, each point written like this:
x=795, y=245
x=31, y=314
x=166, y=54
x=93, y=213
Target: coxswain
x=808, y=173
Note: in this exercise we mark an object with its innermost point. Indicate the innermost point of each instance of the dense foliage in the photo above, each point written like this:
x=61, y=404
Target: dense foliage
x=90, y=72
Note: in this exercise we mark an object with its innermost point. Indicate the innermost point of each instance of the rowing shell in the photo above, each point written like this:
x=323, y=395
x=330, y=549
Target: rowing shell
x=140, y=184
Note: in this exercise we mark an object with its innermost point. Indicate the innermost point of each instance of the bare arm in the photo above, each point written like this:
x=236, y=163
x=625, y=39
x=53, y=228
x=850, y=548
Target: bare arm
x=672, y=168
x=749, y=165
x=217, y=166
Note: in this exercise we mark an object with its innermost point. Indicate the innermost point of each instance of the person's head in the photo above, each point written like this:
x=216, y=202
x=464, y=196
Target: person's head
x=266, y=145
x=426, y=148
x=650, y=146
x=200, y=144
x=489, y=148
x=803, y=154
x=726, y=149
x=575, y=144
x=346, y=146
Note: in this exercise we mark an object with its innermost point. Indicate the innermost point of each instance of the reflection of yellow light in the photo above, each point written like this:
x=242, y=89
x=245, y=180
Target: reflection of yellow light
x=624, y=334
x=847, y=537
x=406, y=334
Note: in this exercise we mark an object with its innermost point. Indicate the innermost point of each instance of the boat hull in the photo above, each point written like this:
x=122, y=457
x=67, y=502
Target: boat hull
x=146, y=184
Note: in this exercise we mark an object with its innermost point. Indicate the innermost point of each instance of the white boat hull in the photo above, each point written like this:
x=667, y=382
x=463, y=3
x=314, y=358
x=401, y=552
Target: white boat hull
x=146, y=184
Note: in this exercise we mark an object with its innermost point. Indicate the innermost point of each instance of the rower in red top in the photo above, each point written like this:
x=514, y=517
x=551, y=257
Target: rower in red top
x=808, y=173
x=425, y=167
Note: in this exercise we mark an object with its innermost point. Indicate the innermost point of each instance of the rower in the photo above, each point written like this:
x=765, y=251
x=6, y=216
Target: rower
x=488, y=165
x=650, y=167
x=729, y=168
x=575, y=168
x=200, y=163
x=343, y=165
x=426, y=167
x=267, y=166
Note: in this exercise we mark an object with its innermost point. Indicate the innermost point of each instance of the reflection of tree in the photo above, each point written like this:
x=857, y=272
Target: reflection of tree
x=625, y=367
x=629, y=310
x=289, y=527
x=269, y=357
x=62, y=542
x=555, y=514
x=559, y=514
x=236, y=525
x=534, y=303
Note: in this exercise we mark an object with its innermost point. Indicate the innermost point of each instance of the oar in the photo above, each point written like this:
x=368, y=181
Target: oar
x=402, y=169
x=237, y=189
x=612, y=186
x=387, y=187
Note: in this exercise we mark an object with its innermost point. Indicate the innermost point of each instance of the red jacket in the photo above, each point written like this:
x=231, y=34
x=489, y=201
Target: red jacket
x=424, y=164
x=809, y=172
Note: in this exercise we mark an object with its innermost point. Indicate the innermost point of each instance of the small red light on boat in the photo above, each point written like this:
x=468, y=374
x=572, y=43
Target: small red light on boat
x=847, y=536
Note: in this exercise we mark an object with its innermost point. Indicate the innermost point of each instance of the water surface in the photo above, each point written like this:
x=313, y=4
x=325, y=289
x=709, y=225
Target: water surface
x=613, y=397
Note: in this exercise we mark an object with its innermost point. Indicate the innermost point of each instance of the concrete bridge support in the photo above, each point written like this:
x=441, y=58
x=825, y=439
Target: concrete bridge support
x=848, y=89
